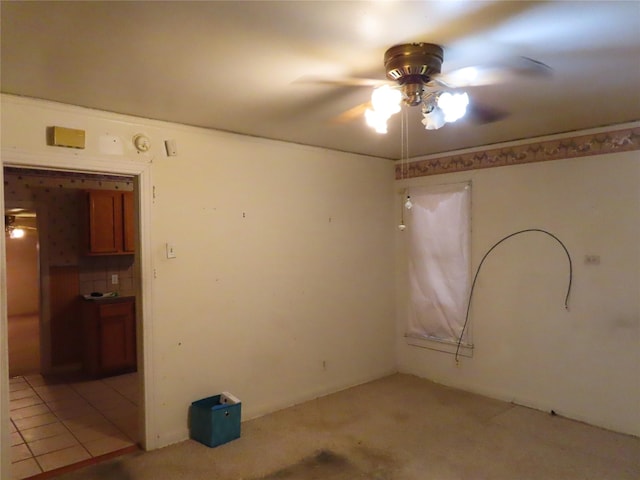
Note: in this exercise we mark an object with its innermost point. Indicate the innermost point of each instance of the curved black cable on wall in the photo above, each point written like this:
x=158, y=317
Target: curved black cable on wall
x=566, y=298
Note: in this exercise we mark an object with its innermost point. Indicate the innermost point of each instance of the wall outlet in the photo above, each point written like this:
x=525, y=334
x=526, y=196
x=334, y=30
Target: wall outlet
x=114, y=279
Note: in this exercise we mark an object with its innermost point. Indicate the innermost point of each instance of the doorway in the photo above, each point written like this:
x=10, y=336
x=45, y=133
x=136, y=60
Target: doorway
x=29, y=383
x=23, y=290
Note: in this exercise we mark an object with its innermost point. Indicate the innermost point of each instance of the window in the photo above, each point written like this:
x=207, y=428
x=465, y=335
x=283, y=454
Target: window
x=439, y=266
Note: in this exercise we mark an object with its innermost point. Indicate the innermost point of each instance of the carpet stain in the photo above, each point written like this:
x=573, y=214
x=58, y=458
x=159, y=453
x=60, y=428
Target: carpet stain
x=108, y=471
x=327, y=465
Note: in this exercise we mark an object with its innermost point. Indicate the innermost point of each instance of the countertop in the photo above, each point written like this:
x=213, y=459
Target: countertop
x=110, y=299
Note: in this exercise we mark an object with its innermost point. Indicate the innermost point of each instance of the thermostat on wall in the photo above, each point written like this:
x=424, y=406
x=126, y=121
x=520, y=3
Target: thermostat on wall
x=142, y=143
x=171, y=148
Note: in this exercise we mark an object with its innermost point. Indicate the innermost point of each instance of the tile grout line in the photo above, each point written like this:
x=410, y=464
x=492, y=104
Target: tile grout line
x=59, y=420
x=101, y=412
x=68, y=429
x=35, y=457
x=119, y=393
x=32, y=457
x=134, y=404
x=20, y=430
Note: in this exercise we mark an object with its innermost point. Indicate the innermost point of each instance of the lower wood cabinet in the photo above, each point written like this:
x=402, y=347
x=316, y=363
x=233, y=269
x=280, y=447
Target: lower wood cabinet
x=109, y=327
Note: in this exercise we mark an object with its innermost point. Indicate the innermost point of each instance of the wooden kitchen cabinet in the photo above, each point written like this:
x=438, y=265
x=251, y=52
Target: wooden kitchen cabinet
x=108, y=222
x=109, y=327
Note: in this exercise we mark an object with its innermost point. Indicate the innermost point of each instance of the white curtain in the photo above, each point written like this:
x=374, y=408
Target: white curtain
x=439, y=242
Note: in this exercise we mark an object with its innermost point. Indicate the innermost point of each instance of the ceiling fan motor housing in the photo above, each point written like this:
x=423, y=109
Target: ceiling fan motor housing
x=413, y=59
x=412, y=65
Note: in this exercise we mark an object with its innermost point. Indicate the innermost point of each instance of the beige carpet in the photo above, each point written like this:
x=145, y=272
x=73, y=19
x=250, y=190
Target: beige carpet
x=397, y=428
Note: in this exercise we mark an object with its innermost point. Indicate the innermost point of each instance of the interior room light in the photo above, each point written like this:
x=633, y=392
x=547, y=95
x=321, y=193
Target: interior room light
x=408, y=204
x=438, y=108
x=454, y=105
x=386, y=100
x=376, y=120
x=434, y=119
x=16, y=233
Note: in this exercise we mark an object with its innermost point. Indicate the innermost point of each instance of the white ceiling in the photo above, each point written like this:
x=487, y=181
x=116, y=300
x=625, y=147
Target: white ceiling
x=232, y=65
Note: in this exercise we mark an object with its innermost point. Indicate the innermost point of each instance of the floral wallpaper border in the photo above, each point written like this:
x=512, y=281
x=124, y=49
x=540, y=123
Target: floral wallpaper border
x=615, y=141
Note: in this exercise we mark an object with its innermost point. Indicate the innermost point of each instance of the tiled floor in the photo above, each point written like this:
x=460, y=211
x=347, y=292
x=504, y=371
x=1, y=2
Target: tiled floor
x=58, y=424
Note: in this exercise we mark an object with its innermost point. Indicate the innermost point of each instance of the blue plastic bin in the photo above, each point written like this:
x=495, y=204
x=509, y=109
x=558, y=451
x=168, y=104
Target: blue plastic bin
x=215, y=420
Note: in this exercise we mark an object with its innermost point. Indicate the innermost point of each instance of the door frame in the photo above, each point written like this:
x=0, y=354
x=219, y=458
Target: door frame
x=141, y=171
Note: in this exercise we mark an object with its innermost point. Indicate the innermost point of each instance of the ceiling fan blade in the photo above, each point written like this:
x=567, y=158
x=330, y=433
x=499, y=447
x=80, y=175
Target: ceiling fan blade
x=24, y=227
x=344, y=81
x=352, y=113
x=20, y=213
x=483, y=114
x=477, y=22
x=492, y=74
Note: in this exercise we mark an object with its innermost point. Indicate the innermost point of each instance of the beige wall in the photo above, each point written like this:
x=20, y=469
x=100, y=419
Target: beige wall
x=582, y=363
x=283, y=285
x=282, y=289
x=22, y=274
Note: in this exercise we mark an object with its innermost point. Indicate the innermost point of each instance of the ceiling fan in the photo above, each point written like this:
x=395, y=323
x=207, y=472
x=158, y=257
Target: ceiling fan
x=414, y=78
x=12, y=228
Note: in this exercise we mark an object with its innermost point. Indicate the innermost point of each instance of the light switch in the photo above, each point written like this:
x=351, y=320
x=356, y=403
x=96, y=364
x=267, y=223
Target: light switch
x=114, y=279
x=171, y=251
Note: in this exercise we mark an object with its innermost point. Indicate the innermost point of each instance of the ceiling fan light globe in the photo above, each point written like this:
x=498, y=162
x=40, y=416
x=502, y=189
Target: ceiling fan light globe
x=454, y=106
x=376, y=120
x=16, y=233
x=434, y=119
x=386, y=100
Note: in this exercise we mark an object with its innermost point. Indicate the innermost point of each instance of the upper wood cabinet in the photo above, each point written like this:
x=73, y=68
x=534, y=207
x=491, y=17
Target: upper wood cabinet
x=108, y=222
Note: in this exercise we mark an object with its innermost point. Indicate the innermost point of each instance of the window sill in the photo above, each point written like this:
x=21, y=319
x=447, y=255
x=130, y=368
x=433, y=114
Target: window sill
x=440, y=345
